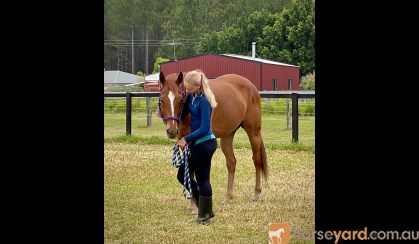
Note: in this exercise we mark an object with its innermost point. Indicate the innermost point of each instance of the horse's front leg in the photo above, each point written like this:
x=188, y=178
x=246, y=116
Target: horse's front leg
x=192, y=205
x=227, y=148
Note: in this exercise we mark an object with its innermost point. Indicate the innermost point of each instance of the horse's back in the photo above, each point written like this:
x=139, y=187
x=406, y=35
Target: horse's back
x=234, y=95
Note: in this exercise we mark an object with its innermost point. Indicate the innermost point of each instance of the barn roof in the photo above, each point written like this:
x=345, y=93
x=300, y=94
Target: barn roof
x=152, y=78
x=120, y=77
x=265, y=61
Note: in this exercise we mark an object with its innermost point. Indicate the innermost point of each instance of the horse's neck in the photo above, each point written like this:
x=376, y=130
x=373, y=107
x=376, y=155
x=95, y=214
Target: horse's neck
x=184, y=126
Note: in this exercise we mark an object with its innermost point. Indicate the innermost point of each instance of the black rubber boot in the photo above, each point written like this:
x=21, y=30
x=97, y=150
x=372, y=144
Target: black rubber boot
x=211, y=213
x=204, y=210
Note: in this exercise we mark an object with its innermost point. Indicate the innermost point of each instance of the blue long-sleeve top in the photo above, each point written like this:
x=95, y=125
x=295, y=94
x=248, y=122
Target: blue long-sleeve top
x=200, y=110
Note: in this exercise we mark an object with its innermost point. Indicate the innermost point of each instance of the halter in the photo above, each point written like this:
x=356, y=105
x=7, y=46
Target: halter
x=178, y=118
x=180, y=158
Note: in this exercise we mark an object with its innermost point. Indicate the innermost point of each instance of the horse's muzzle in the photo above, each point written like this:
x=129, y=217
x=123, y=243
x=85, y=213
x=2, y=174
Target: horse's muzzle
x=171, y=133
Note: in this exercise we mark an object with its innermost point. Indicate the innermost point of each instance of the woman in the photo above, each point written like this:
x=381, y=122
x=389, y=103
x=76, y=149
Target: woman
x=201, y=141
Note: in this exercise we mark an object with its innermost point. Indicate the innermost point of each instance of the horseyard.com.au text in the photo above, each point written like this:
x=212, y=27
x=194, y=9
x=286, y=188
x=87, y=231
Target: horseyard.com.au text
x=364, y=234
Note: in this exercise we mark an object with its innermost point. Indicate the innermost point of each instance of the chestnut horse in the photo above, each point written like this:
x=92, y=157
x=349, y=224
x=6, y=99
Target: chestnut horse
x=238, y=106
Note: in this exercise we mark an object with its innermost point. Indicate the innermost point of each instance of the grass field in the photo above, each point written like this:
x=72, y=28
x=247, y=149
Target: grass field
x=274, y=130
x=144, y=202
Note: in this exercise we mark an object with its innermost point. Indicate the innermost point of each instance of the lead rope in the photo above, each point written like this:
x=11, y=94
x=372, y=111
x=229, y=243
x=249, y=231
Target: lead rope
x=181, y=157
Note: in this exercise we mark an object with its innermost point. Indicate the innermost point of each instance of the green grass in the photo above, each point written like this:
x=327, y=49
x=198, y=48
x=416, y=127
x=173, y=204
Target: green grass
x=154, y=140
x=274, y=131
x=144, y=202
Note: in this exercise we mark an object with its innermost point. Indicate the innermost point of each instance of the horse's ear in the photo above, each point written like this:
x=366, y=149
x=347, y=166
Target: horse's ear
x=162, y=80
x=179, y=79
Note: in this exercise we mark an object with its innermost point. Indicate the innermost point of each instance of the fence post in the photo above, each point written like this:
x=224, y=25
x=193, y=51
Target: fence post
x=288, y=113
x=288, y=106
x=267, y=100
x=148, y=102
x=128, y=113
x=294, y=117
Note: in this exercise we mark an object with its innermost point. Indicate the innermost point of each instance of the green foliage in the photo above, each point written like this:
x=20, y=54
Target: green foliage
x=194, y=24
x=140, y=73
x=145, y=19
x=309, y=110
x=159, y=60
x=308, y=82
x=283, y=29
x=291, y=38
x=121, y=16
x=238, y=37
x=286, y=36
x=306, y=110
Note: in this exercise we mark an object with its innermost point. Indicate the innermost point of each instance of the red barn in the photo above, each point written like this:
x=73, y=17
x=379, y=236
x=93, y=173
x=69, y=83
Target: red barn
x=266, y=75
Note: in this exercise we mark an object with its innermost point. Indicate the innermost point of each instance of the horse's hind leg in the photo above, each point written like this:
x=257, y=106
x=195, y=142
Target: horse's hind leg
x=255, y=139
x=227, y=148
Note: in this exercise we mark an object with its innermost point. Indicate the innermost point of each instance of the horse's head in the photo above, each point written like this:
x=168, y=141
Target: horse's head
x=171, y=100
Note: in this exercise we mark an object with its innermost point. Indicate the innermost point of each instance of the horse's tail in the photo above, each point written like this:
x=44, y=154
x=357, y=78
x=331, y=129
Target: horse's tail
x=264, y=167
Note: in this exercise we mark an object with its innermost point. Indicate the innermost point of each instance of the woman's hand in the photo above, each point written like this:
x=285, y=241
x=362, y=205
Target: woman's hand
x=181, y=143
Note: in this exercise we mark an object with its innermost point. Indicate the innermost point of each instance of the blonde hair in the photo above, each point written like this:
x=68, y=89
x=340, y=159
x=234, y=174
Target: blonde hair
x=198, y=78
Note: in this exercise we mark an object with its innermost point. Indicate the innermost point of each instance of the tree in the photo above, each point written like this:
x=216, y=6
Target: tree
x=159, y=60
x=143, y=18
x=197, y=23
x=291, y=38
x=237, y=38
x=308, y=82
x=198, y=26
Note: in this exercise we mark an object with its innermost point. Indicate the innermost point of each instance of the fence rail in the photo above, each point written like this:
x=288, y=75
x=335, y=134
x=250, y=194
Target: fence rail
x=294, y=95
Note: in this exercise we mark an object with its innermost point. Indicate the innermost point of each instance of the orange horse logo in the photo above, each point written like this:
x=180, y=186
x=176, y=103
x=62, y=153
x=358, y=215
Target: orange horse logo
x=279, y=233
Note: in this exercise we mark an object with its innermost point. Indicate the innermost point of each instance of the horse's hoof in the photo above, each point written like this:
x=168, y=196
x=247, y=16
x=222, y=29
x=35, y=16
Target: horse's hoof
x=255, y=198
x=227, y=201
